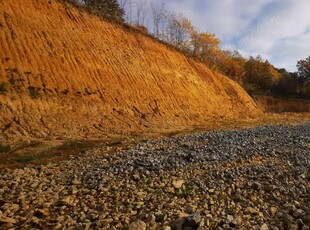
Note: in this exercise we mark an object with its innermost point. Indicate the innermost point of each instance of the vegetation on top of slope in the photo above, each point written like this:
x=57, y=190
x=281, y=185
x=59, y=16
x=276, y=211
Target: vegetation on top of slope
x=106, y=9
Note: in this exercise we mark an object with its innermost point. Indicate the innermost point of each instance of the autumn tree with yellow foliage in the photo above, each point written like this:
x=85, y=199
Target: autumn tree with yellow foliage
x=260, y=75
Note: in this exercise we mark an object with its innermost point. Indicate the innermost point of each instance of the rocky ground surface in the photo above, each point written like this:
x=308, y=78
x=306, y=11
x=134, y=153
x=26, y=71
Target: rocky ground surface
x=240, y=179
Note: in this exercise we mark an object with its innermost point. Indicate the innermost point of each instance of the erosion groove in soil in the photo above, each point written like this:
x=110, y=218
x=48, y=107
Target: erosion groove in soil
x=67, y=74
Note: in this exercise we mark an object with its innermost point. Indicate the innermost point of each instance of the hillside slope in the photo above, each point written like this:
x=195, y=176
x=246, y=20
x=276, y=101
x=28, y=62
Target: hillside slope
x=65, y=73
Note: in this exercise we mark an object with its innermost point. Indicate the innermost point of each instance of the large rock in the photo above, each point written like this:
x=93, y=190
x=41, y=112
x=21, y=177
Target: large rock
x=191, y=222
x=137, y=225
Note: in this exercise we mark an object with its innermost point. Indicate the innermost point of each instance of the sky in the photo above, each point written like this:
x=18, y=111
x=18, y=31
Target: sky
x=278, y=30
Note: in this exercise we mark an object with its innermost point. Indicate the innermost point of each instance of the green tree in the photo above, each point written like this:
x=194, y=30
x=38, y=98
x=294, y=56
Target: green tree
x=303, y=67
x=109, y=9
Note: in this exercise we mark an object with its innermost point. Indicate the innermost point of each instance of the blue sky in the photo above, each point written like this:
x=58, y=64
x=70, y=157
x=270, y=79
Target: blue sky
x=278, y=30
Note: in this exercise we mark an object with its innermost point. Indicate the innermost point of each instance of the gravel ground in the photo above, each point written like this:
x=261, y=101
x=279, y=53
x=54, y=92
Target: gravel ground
x=240, y=179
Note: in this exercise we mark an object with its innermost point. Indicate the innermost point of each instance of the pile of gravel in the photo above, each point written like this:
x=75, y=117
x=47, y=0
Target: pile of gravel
x=240, y=179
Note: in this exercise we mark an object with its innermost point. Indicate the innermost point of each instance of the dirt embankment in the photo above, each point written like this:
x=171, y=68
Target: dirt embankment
x=280, y=105
x=67, y=74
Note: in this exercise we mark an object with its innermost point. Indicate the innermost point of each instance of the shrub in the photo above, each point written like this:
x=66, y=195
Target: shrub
x=65, y=92
x=160, y=217
x=4, y=148
x=3, y=88
x=107, y=9
x=185, y=191
x=141, y=28
x=34, y=92
x=25, y=159
x=149, y=181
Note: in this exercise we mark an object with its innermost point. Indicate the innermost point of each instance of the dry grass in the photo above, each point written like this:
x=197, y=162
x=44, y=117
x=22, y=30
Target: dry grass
x=43, y=152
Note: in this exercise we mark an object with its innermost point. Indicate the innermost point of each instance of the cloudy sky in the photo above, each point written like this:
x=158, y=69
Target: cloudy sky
x=278, y=30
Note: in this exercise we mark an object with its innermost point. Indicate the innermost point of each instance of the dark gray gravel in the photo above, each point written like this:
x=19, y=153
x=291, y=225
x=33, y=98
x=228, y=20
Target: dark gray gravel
x=241, y=179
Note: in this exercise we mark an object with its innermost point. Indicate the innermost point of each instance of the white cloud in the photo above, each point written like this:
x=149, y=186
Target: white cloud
x=284, y=33
x=276, y=29
x=287, y=51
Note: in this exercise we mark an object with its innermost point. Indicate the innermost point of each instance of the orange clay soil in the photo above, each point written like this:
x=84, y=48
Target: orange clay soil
x=65, y=74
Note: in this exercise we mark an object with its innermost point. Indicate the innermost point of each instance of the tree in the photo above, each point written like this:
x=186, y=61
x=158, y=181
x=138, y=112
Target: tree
x=233, y=65
x=303, y=67
x=127, y=6
x=288, y=83
x=123, y=3
x=261, y=74
x=109, y=9
x=206, y=48
x=179, y=29
x=142, y=12
x=159, y=13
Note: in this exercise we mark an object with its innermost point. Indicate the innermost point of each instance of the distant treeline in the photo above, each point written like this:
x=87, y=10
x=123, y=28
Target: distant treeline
x=256, y=75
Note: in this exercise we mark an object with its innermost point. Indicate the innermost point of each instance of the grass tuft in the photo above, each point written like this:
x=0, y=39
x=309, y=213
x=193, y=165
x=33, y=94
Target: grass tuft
x=3, y=88
x=4, y=148
x=34, y=92
x=25, y=159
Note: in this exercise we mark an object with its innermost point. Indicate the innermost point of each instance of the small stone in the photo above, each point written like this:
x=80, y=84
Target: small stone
x=178, y=184
x=35, y=220
x=60, y=219
x=178, y=224
x=74, y=190
x=165, y=228
x=69, y=200
x=137, y=225
x=40, y=213
x=298, y=213
x=57, y=226
x=4, y=219
x=34, y=184
x=292, y=226
x=190, y=222
x=87, y=226
x=230, y=218
x=195, y=218
x=264, y=227
x=190, y=209
x=256, y=186
x=237, y=221
x=136, y=177
x=250, y=210
x=211, y=191
x=75, y=181
x=108, y=220
x=273, y=211
x=118, y=226
x=300, y=223
x=47, y=205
